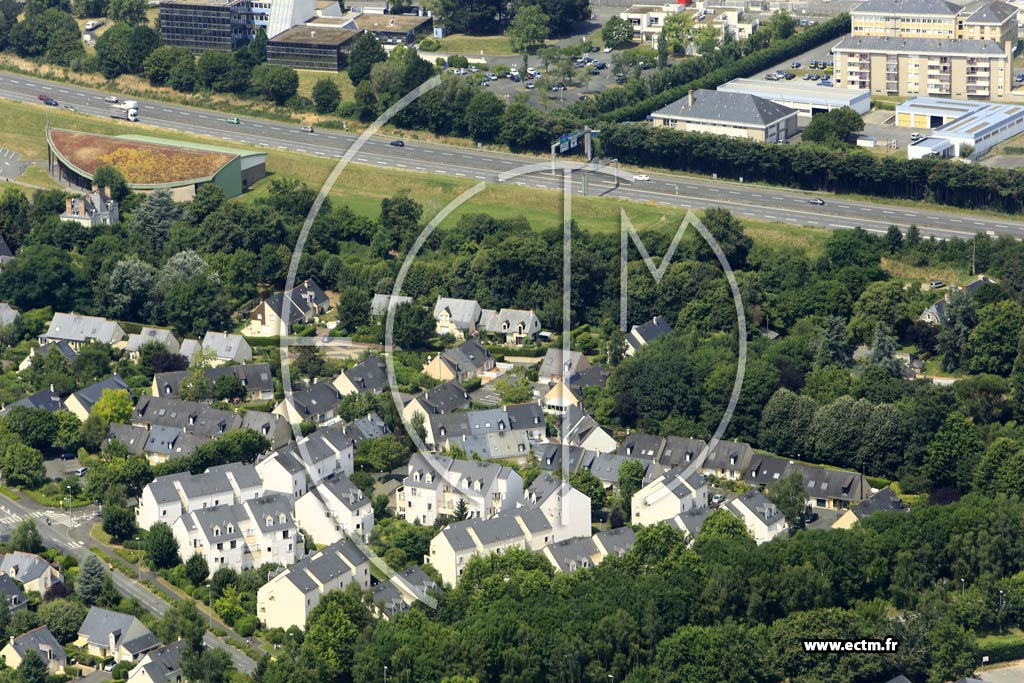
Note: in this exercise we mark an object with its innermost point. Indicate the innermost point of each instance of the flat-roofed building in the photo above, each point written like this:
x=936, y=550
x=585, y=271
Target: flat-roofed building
x=322, y=48
x=958, y=125
x=648, y=20
x=394, y=29
x=806, y=99
x=203, y=25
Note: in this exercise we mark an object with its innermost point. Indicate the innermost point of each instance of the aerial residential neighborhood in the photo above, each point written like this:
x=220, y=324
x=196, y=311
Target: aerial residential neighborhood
x=476, y=341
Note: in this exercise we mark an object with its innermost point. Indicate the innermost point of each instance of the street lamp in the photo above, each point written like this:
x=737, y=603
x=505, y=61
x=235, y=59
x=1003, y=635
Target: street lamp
x=963, y=587
x=138, y=548
x=211, y=605
x=385, y=673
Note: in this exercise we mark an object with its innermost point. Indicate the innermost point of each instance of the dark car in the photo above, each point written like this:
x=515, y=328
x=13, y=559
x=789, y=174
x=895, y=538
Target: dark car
x=68, y=456
x=600, y=65
x=595, y=48
x=50, y=102
x=810, y=516
x=397, y=143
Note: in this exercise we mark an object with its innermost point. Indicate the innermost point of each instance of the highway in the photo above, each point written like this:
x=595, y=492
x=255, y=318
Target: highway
x=74, y=540
x=758, y=202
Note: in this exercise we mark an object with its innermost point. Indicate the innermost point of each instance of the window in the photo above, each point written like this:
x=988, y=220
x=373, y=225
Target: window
x=233, y=544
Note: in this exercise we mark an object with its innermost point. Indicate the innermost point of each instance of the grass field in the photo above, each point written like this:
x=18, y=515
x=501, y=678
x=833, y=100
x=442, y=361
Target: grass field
x=921, y=274
x=471, y=46
x=307, y=79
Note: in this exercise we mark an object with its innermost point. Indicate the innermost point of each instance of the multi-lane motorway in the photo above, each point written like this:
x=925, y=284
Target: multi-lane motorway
x=751, y=201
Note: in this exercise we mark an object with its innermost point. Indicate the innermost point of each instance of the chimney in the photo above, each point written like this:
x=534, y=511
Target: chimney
x=67, y=205
x=107, y=193
x=689, y=99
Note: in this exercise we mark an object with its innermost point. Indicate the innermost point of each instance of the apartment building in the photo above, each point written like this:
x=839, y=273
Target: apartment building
x=929, y=47
x=648, y=20
x=167, y=498
x=435, y=485
x=288, y=597
x=670, y=495
x=333, y=510
x=298, y=467
x=241, y=536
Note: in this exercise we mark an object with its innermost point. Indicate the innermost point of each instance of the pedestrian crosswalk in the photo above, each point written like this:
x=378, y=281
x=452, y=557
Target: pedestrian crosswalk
x=10, y=519
x=76, y=544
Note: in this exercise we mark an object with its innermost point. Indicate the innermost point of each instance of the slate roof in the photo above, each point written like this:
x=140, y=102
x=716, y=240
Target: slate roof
x=164, y=665
x=990, y=12
x=573, y=554
x=301, y=300
x=648, y=332
x=467, y=357
x=464, y=312
x=128, y=632
x=88, y=396
x=61, y=346
x=554, y=366
x=347, y=493
x=680, y=451
x=550, y=458
x=728, y=107
x=191, y=416
x=616, y=542
x=605, y=466
x=884, y=500
x=225, y=346
x=576, y=426
x=80, y=328
x=370, y=426
x=5, y=251
x=39, y=640
x=917, y=46
x=255, y=377
x=388, y=599
x=692, y=520
x=381, y=302
x=319, y=399
x=444, y=398
x=10, y=590
x=908, y=7
x=640, y=445
x=47, y=399
x=326, y=565
x=510, y=320
x=724, y=453
x=8, y=314
x=756, y=502
x=369, y=374
x=525, y=416
x=152, y=334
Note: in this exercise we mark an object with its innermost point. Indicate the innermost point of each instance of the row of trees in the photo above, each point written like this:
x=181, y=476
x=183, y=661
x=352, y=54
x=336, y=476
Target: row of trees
x=485, y=17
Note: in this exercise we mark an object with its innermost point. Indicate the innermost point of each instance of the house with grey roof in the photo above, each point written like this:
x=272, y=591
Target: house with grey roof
x=669, y=495
x=40, y=641
x=563, y=505
x=606, y=467
x=296, y=468
x=825, y=487
x=510, y=326
x=33, y=572
x=557, y=365
x=221, y=347
x=382, y=303
x=241, y=535
x=290, y=595
x=12, y=595
x=728, y=460
x=301, y=304
x=503, y=432
x=333, y=510
x=106, y=633
x=369, y=375
x=456, y=317
x=8, y=314
x=162, y=665
x=644, y=334
x=81, y=402
x=151, y=335
x=468, y=359
x=317, y=403
x=550, y=457
x=443, y=399
x=168, y=497
x=563, y=394
x=936, y=313
x=47, y=399
x=401, y=591
x=884, y=500
x=582, y=553
x=578, y=428
x=39, y=352
x=6, y=255
x=78, y=330
x=257, y=379
x=435, y=485
x=762, y=518
x=728, y=113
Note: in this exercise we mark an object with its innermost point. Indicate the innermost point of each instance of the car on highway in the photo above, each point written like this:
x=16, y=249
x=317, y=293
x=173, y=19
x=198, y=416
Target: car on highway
x=43, y=97
x=307, y=129
x=50, y=102
x=641, y=177
x=397, y=143
x=112, y=99
x=817, y=201
x=234, y=120
x=69, y=107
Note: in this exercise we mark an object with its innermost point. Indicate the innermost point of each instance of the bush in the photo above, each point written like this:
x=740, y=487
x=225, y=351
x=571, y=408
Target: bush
x=472, y=384
x=430, y=45
x=347, y=109
x=246, y=626
x=458, y=62
x=1002, y=648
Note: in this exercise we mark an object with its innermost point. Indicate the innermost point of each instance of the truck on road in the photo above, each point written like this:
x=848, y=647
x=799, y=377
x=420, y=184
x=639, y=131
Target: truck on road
x=127, y=110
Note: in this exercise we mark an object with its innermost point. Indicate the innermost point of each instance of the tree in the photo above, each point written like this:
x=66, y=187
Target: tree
x=528, y=30
x=413, y=325
x=326, y=96
x=129, y=12
x=113, y=405
x=118, y=521
x=228, y=388
x=631, y=480
x=953, y=453
x=586, y=483
x=786, y=423
x=520, y=391
x=152, y=221
x=791, y=499
x=956, y=330
x=162, y=547
x=21, y=465
x=123, y=49
x=32, y=669
x=63, y=617
x=183, y=78
x=366, y=52
x=331, y=633
x=276, y=83
x=221, y=72
x=124, y=292
x=26, y=537
x=41, y=276
x=196, y=569
x=706, y=38
x=483, y=116
x=677, y=31
x=1017, y=377
x=36, y=427
x=834, y=345
x=722, y=524
x=617, y=33
x=834, y=128
x=382, y=454
x=92, y=575
x=161, y=62
x=108, y=176
x=196, y=386
x=883, y=352
x=992, y=344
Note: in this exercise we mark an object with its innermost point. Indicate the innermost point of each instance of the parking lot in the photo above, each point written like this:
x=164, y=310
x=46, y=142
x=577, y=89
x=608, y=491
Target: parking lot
x=59, y=469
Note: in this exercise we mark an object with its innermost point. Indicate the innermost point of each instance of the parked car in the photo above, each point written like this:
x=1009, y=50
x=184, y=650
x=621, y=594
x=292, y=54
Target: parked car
x=790, y=75
x=492, y=77
x=80, y=472
x=807, y=77
x=795, y=65
x=473, y=68
x=530, y=85
x=815, y=77
x=112, y=99
x=717, y=500
x=817, y=201
x=397, y=143
x=1019, y=78
x=641, y=177
x=810, y=516
x=914, y=137
x=595, y=48
x=937, y=284
x=607, y=50
x=68, y=456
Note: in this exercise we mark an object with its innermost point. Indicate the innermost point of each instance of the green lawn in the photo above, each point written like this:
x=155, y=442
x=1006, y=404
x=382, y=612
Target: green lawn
x=307, y=79
x=472, y=46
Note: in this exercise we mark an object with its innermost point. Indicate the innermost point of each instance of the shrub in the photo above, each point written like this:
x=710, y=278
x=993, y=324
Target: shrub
x=430, y=45
x=246, y=625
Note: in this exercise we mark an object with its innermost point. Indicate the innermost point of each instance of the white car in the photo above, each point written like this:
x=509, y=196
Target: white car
x=641, y=177
x=607, y=49
x=111, y=99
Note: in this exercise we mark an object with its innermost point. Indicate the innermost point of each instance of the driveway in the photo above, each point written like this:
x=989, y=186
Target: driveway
x=1013, y=673
x=11, y=165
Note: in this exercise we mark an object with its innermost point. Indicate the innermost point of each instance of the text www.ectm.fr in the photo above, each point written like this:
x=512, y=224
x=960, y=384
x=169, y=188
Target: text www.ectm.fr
x=887, y=645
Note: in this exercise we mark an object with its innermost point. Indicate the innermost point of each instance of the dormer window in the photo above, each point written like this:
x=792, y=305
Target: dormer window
x=231, y=529
x=270, y=520
x=216, y=531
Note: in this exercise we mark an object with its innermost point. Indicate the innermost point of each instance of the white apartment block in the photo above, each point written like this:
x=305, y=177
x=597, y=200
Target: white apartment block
x=564, y=506
x=298, y=467
x=671, y=494
x=333, y=510
x=165, y=499
x=762, y=519
x=435, y=485
x=241, y=536
x=288, y=598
